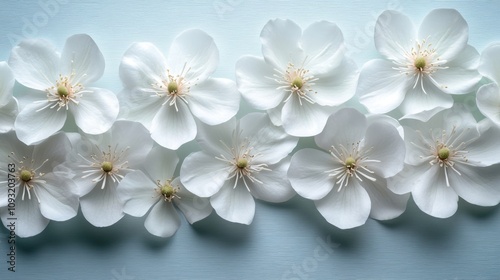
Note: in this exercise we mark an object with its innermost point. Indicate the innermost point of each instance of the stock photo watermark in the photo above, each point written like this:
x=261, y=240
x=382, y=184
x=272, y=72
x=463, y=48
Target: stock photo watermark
x=48, y=9
x=301, y=271
x=11, y=220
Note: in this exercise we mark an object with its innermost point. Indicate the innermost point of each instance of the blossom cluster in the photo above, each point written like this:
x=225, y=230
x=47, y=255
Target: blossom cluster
x=393, y=129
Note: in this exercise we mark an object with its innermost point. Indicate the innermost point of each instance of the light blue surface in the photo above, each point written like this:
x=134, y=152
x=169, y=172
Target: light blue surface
x=287, y=240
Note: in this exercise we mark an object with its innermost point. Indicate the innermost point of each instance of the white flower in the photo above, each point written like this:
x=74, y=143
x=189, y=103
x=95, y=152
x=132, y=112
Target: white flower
x=420, y=70
x=156, y=186
x=348, y=184
x=447, y=157
x=8, y=104
x=240, y=159
x=164, y=94
x=41, y=194
x=488, y=96
x=99, y=164
x=302, y=75
x=61, y=83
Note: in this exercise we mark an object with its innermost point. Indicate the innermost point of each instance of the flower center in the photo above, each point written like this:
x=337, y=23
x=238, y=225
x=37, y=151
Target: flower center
x=172, y=87
x=297, y=83
x=443, y=153
x=25, y=175
x=420, y=63
x=107, y=166
x=62, y=91
x=350, y=163
x=167, y=191
x=242, y=163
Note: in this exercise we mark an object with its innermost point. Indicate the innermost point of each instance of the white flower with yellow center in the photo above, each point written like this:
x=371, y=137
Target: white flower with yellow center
x=100, y=162
x=158, y=190
x=62, y=84
x=348, y=184
x=8, y=104
x=28, y=175
x=421, y=69
x=240, y=160
x=447, y=157
x=165, y=93
x=302, y=75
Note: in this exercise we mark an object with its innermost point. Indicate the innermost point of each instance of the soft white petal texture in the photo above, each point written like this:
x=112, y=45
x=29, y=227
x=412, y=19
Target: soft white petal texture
x=385, y=204
x=302, y=119
x=386, y=119
x=234, y=204
x=447, y=30
x=256, y=82
x=137, y=191
x=404, y=181
x=419, y=148
x=383, y=143
x=346, y=209
x=160, y=163
x=275, y=115
x=8, y=114
x=214, y=139
x=344, y=126
x=394, y=32
x=55, y=149
x=142, y=65
x=381, y=88
x=140, y=105
x=275, y=186
x=202, y=174
x=172, y=128
x=269, y=141
x=485, y=150
x=337, y=86
x=32, y=126
x=488, y=102
x=163, y=220
x=194, y=208
x=489, y=65
x=30, y=220
x=280, y=43
x=102, y=207
x=307, y=173
x=58, y=199
x=35, y=64
x=323, y=43
x=477, y=185
x=214, y=101
x=6, y=83
x=82, y=58
x=431, y=194
x=194, y=50
x=96, y=111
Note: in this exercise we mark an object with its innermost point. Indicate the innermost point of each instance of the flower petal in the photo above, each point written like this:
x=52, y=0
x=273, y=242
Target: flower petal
x=405, y=180
x=35, y=64
x=32, y=126
x=323, y=43
x=172, y=128
x=82, y=58
x=96, y=111
x=385, y=204
x=275, y=114
x=137, y=192
x=6, y=84
x=485, y=150
x=488, y=102
x=8, y=114
x=214, y=139
x=489, y=65
x=30, y=220
x=138, y=104
x=280, y=43
x=234, y=204
x=346, y=209
x=302, y=119
x=194, y=50
x=257, y=84
x=275, y=186
x=338, y=86
x=381, y=88
x=58, y=199
x=477, y=185
x=394, y=34
x=335, y=132
x=447, y=30
x=163, y=220
x=102, y=207
x=161, y=163
x=55, y=149
x=203, y=175
x=142, y=65
x=214, y=95
x=307, y=173
x=193, y=207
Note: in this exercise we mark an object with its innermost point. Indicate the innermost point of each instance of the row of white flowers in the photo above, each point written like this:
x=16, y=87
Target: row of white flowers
x=412, y=140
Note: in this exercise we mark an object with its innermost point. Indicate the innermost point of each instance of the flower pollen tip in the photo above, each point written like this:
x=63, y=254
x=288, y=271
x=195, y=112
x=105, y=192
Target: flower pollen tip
x=107, y=166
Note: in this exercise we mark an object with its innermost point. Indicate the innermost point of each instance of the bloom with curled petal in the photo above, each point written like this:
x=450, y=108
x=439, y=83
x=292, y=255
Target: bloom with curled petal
x=348, y=184
x=421, y=69
x=100, y=162
x=240, y=160
x=302, y=76
x=156, y=188
x=39, y=193
x=450, y=156
x=165, y=93
x=8, y=104
x=488, y=96
x=61, y=85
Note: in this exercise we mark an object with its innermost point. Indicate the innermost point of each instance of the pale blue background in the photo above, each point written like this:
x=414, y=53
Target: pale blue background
x=413, y=246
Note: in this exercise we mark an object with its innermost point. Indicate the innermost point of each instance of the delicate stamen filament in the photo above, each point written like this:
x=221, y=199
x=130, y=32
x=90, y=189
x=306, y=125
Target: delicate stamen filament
x=173, y=88
x=295, y=81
